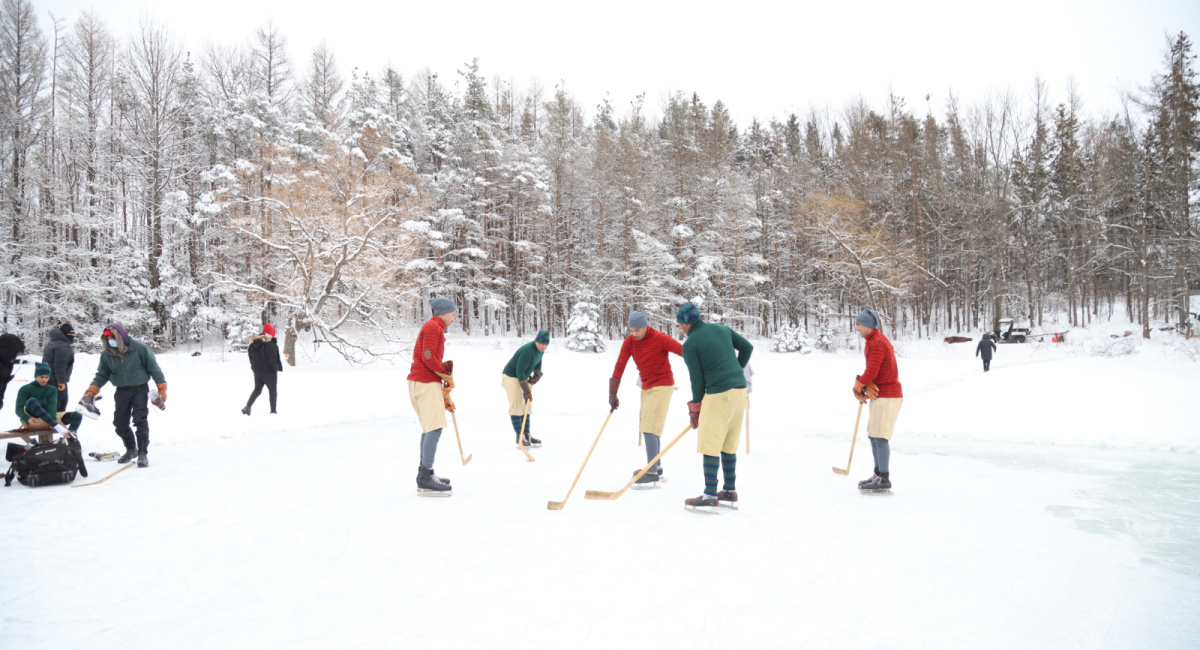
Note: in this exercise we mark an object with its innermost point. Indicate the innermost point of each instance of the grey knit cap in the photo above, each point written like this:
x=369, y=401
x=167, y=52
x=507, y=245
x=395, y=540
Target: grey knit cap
x=638, y=319
x=868, y=318
x=442, y=306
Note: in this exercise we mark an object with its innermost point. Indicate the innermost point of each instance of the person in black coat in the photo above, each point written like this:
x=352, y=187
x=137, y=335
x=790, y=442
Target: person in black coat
x=985, y=349
x=60, y=356
x=265, y=362
x=10, y=346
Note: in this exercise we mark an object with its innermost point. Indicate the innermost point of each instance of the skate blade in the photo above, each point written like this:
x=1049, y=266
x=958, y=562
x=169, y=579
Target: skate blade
x=424, y=492
x=704, y=510
x=862, y=491
x=646, y=486
x=732, y=505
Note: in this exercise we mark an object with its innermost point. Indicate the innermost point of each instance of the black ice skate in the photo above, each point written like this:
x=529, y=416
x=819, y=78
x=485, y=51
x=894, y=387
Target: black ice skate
x=878, y=484
x=530, y=442
x=104, y=457
x=649, y=481
x=867, y=480
x=245, y=410
x=727, y=499
x=705, y=504
x=428, y=486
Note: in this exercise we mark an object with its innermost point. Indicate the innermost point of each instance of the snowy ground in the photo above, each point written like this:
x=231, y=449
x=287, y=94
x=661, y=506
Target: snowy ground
x=1052, y=503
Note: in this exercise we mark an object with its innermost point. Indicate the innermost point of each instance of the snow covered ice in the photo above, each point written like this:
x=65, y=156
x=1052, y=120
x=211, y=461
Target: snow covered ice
x=1051, y=503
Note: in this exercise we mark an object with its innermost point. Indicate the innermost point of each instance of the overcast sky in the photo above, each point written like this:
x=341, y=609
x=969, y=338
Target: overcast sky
x=762, y=59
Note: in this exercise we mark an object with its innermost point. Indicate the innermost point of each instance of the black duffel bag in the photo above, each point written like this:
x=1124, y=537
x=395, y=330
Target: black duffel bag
x=45, y=463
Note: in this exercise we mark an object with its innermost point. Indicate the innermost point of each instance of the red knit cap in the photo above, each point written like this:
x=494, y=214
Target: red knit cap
x=267, y=329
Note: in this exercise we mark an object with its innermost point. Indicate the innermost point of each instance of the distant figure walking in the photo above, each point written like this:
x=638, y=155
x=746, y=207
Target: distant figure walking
x=10, y=346
x=985, y=349
x=60, y=354
x=265, y=363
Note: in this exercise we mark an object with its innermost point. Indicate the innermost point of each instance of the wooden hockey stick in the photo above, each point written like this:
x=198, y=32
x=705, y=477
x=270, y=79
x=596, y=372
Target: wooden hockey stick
x=131, y=464
x=558, y=505
x=852, y=441
x=459, y=438
x=613, y=496
x=521, y=434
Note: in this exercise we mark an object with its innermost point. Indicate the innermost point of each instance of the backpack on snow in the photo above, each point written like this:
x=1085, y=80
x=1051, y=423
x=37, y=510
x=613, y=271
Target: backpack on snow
x=46, y=463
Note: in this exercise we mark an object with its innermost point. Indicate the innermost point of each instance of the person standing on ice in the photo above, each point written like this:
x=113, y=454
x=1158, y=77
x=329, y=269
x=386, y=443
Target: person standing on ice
x=521, y=372
x=985, y=349
x=650, y=350
x=129, y=364
x=37, y=402
x=718, y=399
x=59, y=354
x=429, y=383
x=879, y=383
x=265, y=364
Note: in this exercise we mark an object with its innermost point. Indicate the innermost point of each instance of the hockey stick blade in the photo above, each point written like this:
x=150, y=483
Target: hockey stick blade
x=596, y=494
x=837, y=470
x=555, y=505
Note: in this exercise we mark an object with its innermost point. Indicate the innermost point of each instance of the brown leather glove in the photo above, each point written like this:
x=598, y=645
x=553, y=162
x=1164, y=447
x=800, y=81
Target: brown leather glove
x=446, y=401
x=447, y=380
x=92, y=391
x=537, y=376
x=694, y=414
x=162, y=392
x=449, y=365
x=858, y=392
x=525, y=389
x=613, y=384
x=872, y=390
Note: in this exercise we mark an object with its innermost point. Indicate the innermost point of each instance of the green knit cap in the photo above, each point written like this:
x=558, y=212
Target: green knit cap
x=687, y=313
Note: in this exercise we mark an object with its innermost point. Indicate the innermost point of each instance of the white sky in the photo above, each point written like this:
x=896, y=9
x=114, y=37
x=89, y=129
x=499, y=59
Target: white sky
x=762, y=59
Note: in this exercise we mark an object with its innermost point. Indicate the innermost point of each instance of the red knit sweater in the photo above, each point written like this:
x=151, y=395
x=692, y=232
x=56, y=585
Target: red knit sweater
x=881, y=366
x=427, y=352
x=650, y=355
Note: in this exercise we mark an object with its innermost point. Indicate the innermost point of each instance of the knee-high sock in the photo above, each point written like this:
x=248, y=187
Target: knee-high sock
x=653, y=443
x=729, y=465
x=883, y=453
x=711, y=463
x=516, y=423
x=34, y=409
x=429, y=441
x=72, y=420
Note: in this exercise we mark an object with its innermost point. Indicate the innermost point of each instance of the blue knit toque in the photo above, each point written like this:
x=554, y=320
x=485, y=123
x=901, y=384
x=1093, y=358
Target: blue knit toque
x=41, y=368
x=868, y=318
x=442, y=306
x=638, y=319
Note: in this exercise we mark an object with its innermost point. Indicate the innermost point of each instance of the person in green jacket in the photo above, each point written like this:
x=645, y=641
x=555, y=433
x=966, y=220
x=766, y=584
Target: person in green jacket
x=522, y=371
x=718, y=400
x=129, y=364
x=37, y=404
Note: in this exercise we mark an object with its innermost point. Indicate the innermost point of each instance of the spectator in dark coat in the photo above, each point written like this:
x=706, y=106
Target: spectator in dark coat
x=985, y=349
x=265, y=362
x=60, y=355
x=10, y=346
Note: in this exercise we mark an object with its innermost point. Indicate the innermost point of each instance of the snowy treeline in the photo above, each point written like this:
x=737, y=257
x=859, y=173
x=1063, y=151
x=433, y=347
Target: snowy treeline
x=193, y=194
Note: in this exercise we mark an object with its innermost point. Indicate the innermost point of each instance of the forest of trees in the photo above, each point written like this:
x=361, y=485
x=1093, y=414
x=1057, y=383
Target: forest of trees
x=195, y=195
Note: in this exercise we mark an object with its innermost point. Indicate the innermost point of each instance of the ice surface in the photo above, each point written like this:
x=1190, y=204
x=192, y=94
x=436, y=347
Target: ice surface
x=1051, y=503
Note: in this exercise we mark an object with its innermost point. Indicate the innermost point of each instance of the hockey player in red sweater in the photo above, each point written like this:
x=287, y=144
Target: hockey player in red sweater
x=429, y=383
x=649, y=349
x=879, y=383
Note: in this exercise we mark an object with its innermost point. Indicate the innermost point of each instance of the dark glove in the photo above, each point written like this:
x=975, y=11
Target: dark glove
x=613, y=384
x=526, y=391
x=537, y=376
x=694, y=414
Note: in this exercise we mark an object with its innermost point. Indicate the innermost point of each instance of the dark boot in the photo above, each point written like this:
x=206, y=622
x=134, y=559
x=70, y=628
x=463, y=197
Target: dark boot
x=130, y=454
x=878, y=482
x=705, y=503
x=727, y=495
x=868, y=480
x=245, y=410
x=142, y=460
x=649, y=478
x=427, y=483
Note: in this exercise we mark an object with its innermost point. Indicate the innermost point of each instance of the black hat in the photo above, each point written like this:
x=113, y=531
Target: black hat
x=67, y=329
